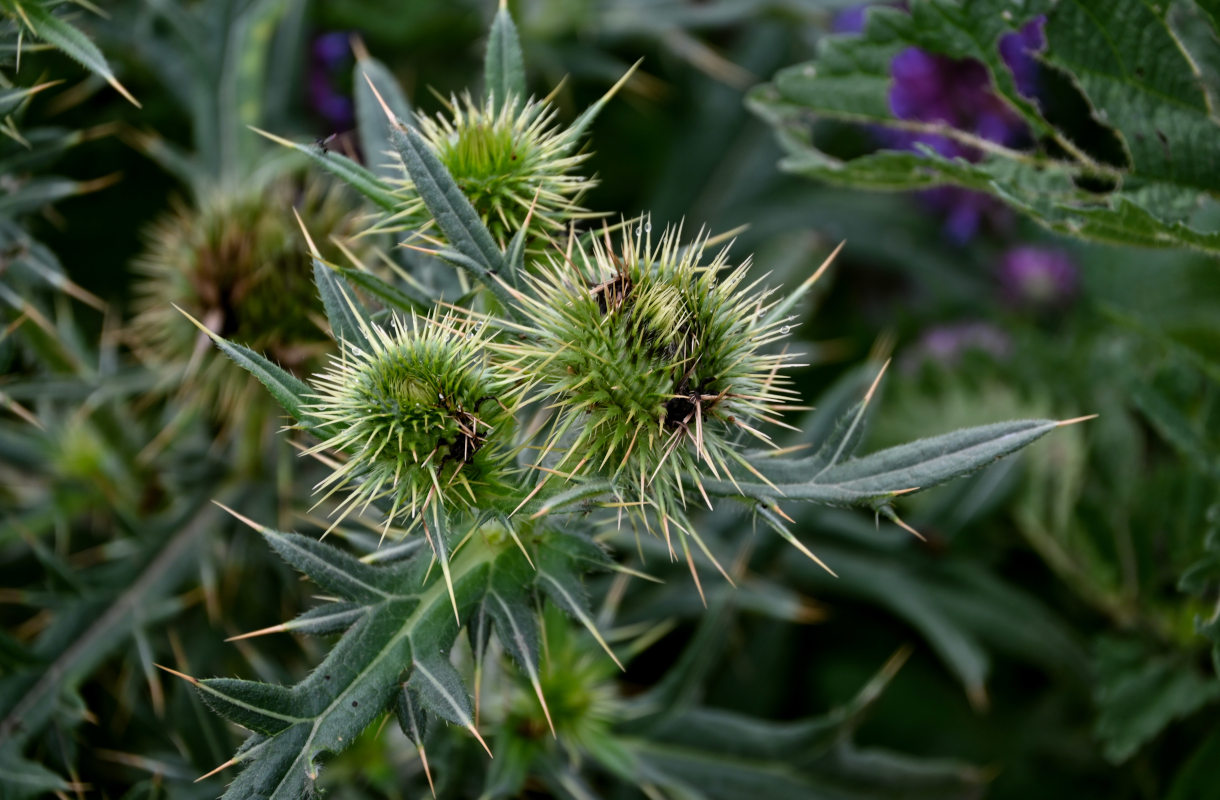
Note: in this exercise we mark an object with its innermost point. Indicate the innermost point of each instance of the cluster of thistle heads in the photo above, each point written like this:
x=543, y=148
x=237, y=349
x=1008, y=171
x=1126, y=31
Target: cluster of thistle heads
x=633, y=361
x=641, y=361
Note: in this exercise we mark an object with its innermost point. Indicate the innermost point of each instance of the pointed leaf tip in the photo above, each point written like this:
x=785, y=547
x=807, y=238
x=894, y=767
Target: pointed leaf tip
x=313, y=249
x=394, y=121
x=177, y=674
x=1074, y=420
x=241, y=517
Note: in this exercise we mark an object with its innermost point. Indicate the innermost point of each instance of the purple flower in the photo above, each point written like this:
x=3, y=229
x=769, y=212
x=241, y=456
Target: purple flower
x=1018, y=49
x=850, y=19
x=331, y=50
x=946, y=344
x=1038, y=276
x=329, y=55
x=952, y=92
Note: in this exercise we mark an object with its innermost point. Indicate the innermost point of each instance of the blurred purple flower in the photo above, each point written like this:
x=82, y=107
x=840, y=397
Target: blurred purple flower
x=331, y=50
x=850, y=19
x=1038, y=276
x=958, y=93
x=1018, y=50
x=945, y=344
x=329, y=55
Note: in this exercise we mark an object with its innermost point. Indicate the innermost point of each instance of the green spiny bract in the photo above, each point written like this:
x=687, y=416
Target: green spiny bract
x=239, y=264
x=421, y=415
x=512, y=161
x=653, y=361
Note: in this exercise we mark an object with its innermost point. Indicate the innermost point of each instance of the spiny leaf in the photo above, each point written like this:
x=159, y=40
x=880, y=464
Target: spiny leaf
x=898, y=470
x=255, y=706
x=342, y=167
x=504, y=65
x=289, y=391
x=343, y=312
x=440, y=689
x=410, y=714
x=401, y=300
x=454, y=214
x=53, y=30
x=404, y=628
x=332, y=569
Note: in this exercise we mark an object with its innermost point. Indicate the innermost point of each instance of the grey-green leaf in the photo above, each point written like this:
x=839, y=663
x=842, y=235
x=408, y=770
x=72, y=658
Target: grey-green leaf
x=504, y=65
x=343, y=311
x=371, y=121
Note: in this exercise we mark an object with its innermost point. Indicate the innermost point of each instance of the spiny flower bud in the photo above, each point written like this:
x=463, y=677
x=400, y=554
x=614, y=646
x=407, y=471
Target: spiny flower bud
x=238, y=263
x=654, y=362
x=508, y=158
x=420, y=415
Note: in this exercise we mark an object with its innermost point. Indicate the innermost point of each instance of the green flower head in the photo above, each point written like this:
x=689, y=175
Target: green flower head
x=511, y=160
x=421, y=416
x=654, y=361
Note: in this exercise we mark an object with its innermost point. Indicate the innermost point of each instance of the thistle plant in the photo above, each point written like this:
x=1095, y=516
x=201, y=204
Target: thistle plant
x=656, y=363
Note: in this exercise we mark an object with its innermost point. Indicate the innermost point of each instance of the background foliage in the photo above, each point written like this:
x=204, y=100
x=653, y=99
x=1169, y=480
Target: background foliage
x=1056, y=634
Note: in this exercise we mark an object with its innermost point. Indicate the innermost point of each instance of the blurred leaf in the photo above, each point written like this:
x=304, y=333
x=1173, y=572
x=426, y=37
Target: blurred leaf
x=371, y=121
x=1140, y=691
x=1127, y=61
x=38, y=17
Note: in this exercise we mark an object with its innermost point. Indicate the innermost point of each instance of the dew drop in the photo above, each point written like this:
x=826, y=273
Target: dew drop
x=784, y=330
x=637, y=230
x=647, y=227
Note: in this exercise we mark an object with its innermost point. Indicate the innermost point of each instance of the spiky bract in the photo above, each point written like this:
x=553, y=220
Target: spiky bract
x=508, y=158
x=421, y=416
x=653, y=362
x=238, y=263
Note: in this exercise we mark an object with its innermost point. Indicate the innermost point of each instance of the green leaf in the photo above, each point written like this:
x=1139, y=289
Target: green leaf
x=20, y=778
x=410, y=715
x=241, y=83
x=722, y=755
x=289, y=391
x=504, y=65
x=1139, y=691
x=344, y=313
x=406, y=627
x=327, y=619
x=259, y=707
x=402, y=300
x=454, y=215
x=53, y=30
x=440, y=689
x=1133, y=70
x=354, y=175
x=898, y=470
x=371, y=121
x=333, y=570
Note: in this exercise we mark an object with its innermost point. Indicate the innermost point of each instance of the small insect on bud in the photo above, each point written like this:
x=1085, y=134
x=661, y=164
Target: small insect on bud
x=653, y=362
x=421, y=416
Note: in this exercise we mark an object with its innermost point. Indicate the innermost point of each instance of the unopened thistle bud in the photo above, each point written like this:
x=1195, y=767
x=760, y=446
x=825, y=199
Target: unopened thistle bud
x=508, y=157
x=421, y=416
x=654, y=361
